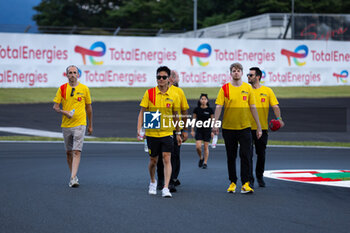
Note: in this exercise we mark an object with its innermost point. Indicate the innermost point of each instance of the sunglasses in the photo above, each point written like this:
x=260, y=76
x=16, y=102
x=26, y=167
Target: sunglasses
x=72, y=93
x=162, y=77
x=250, y=75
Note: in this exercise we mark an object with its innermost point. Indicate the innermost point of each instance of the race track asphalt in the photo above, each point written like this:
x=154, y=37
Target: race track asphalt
x=306, y=119
x=35, y=197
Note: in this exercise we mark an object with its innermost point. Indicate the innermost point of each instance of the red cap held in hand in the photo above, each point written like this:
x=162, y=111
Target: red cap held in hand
x=274, y=125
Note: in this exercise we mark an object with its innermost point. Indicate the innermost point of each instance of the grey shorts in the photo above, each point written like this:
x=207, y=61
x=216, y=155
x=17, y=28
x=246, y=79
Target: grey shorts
x=74, y=137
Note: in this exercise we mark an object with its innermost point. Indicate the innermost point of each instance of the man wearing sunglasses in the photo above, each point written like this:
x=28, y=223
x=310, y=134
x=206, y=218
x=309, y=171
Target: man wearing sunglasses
x=264, y=98
x=163, y=104
x=238, y=99
x=175, y=155
x=76, y=104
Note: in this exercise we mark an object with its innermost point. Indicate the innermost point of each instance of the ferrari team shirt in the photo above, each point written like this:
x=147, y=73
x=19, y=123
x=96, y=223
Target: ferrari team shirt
x=76, y=100
x=166, y=104
x=264, y=98
x=236, y=101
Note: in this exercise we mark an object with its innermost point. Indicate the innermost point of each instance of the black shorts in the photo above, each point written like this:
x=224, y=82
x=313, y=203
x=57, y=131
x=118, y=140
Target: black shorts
x=203, y=135
x=156, y=146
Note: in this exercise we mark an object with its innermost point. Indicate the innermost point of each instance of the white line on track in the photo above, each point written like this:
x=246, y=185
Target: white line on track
x=34, y=132
x=185, y=144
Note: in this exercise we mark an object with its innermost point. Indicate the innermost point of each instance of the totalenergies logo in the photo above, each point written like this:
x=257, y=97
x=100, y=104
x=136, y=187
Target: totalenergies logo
x=342, y=76
x=296, y=54
x=191, y=53
x=263, y=76
x=91, y=53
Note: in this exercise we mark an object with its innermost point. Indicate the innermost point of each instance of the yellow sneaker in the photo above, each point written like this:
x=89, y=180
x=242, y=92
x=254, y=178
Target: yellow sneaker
x=246, y=188
x=232, y=188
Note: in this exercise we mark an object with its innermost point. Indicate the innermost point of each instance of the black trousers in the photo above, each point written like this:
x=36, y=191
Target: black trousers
x=244, y=138
x=175, y=163
x=260, y=150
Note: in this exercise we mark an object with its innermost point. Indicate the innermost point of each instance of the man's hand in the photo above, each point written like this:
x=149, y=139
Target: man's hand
x=193, y=133
x=258, y=133
x=215, y=131
x=179, y=140
x=184, y=136
x=66, y=113
x=90, y=130
x=281, y=122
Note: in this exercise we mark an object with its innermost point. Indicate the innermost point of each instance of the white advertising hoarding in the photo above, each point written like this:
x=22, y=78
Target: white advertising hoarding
x=39, y=60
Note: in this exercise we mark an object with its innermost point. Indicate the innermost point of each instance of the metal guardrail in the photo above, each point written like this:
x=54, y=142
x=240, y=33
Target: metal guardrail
x=15, y=28
x=240, y=27
x=265, y=26
x=277, y=26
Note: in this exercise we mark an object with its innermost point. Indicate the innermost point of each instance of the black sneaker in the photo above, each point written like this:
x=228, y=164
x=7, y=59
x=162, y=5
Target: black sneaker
x=177, y=182
x=261, y=182
x=172, y=188
x=205, y=166
x=200, y=163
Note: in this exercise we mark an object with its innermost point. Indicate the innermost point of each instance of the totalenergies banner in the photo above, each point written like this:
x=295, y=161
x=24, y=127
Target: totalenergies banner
x=30, y=60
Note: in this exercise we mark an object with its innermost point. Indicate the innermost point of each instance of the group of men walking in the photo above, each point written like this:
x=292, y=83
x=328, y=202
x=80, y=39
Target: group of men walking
x=244, y=121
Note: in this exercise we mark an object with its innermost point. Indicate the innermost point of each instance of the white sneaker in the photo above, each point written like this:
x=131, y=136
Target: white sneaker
x=74, y=182
x=166, y=192
x=152, y=188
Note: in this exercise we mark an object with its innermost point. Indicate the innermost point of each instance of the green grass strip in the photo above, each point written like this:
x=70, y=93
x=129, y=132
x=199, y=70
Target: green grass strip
x=191, y=140
x=46, y=95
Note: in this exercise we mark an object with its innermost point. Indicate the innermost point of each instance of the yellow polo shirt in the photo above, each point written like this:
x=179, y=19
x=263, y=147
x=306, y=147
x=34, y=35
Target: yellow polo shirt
x=236, y=101
x=183, y=101
x=167, y=104
x=264, y=98
x=80, y=98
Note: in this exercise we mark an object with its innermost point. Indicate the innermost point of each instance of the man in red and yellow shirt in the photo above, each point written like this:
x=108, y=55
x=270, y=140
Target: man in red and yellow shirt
x=76, y=102
x=238, y=99
x=165, y=105
x=264, y=98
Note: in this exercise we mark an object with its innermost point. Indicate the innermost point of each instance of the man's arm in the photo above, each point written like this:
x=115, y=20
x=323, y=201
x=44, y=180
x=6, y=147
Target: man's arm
x=139, y=121
x=277, y=111
x=88, y=108
x=57, y=108
x=256, y=118
x=217, y=114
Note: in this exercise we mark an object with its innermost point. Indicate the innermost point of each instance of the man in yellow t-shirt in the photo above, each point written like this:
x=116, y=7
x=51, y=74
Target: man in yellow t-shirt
x=238, y=99
x=264, y=98
x=159, y=109
x=175, y=155
x=76, y=102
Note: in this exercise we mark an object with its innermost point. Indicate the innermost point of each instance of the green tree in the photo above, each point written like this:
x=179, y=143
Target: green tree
x=169, y=14
x=91, y=13
x=152, y=14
